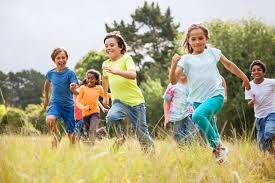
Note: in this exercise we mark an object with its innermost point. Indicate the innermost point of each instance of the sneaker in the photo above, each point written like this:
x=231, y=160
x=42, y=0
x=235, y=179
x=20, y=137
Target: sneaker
x=221, y=153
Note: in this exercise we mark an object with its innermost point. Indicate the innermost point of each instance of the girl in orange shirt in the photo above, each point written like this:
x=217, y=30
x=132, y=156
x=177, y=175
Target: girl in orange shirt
x=87, y=101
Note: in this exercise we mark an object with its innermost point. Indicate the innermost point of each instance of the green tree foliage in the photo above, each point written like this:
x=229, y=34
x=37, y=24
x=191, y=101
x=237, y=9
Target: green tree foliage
x=92, y=60
x=242, y=42
x=150, y=38
x=22, y=88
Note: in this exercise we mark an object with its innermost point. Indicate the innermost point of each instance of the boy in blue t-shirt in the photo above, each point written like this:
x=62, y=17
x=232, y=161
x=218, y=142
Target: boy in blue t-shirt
x=63, y=83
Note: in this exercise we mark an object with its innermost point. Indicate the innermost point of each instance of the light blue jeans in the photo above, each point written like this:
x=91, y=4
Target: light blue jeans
x=137, y=116
x=204, y=117
x=184, y=131
x=265, y=131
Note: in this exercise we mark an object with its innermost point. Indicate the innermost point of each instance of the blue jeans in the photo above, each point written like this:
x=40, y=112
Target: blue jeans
x=78, y=128
x=265, y=131
x=137, y=116
x=184, y=131
x=204, y=117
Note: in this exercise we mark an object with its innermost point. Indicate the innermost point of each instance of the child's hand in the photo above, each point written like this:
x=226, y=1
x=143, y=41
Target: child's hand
x=166, y=121
x=111, y=70
x=252, y=101
x=106, y=102
x=174, y=60
x=86, y=107
x=246, y=84
x=105, y=110
x=73, y=86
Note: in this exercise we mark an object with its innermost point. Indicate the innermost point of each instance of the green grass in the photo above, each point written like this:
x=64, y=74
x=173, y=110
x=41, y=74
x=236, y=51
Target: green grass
x=31, y=159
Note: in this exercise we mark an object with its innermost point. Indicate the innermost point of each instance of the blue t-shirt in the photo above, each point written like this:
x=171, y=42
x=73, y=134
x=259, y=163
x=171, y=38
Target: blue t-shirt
x=60, y=86
x=203, y=75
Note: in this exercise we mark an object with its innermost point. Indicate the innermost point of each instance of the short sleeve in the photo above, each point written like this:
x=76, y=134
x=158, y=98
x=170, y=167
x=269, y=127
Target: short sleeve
x=216, y=53
x=169, y=93
x=130, y=64
x=248, y=94
x=182, y=64
x=104, y=73
x=73, y=78
x=48, y=76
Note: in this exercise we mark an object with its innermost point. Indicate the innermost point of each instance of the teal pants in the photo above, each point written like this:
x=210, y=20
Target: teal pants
x=205, y=115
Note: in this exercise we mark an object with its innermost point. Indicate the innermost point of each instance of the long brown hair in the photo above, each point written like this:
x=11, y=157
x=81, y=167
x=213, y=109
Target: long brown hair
x=186, y=44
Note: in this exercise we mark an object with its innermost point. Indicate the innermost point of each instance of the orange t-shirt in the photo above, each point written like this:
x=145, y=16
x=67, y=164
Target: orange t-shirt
x=89, y=96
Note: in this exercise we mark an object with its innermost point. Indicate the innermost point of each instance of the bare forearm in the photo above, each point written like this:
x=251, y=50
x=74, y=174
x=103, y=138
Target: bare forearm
x=172, y=75
x=128, y=74
x=105, y=85
x=46, y=89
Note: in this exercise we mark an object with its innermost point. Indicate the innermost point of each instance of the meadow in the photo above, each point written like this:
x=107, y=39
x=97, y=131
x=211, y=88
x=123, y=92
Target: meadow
x=31, y=159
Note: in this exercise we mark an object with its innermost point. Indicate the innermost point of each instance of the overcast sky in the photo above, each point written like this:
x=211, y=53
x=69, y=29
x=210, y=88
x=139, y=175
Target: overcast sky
x=30, y=29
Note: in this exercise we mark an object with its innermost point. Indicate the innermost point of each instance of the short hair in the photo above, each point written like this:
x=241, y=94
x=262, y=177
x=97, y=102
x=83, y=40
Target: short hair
x=259, y=63
x=120, y=40
x=56, y=51
x=96, y=74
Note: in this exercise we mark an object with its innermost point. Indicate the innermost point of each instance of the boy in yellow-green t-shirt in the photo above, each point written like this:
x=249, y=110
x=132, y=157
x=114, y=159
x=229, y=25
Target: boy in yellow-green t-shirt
x=120, y=74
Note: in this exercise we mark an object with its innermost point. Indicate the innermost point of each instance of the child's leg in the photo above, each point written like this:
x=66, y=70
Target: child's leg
x=67, y=113
x=137, y=116
x=115, y=116
x=201, y=117
x=269, y=132
x=94, y=122
x=51, y=122
x=184, y=131
x=53, y=114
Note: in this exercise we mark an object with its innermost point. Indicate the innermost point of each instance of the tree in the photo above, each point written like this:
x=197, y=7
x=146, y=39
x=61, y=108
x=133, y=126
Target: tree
x=150, y=38
x=22, y=88
x=92, y=60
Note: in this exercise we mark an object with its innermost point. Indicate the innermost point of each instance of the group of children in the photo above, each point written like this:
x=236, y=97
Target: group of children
x=191, y=101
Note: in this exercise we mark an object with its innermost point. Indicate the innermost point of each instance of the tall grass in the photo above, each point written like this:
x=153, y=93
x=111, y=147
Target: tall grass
x=30, y=159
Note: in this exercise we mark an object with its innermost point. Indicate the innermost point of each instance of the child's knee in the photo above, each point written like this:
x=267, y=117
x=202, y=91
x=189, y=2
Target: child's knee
x=51, y=120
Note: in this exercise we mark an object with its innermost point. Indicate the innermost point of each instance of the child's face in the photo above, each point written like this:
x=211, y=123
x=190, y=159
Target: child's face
x=257, y=72
x=91, y=80
x=60, y=61
x=197, y=40
x=182, y=78
x=112, y=48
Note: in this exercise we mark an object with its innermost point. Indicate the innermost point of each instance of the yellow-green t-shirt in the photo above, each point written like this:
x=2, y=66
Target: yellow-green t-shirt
x=126, y=90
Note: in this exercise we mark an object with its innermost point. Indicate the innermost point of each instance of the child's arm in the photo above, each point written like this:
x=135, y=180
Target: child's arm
x=102, y=107
x=47, y=86
x=166, y=113
x=230, y=66
x=105, y=85
x=174, y=70
x=128, y=74
x=225, y=89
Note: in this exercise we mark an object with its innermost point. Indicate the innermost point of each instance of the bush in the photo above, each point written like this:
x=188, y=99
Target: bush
x=13, y=120
x=36, y=116
x=2, y=111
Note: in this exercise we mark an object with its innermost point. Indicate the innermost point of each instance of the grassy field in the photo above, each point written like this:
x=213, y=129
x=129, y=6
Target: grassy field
x=31, y=159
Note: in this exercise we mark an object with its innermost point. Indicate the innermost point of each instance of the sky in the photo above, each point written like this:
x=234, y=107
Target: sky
x=31, y=29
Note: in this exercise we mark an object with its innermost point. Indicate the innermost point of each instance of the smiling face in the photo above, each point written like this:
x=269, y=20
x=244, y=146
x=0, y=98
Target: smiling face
x=60, y=61
x=257, y=73
x=112, y=48
x=91, y=80
x=197, y=40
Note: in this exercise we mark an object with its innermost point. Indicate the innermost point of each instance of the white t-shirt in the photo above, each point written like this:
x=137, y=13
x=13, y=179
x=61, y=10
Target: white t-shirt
x=264, y=97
